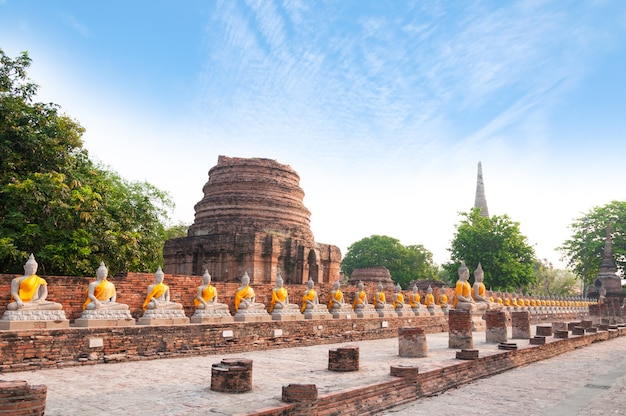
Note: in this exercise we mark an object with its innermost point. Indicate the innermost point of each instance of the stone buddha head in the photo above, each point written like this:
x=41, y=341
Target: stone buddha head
x=463, y=272
x=479, y=275
x=158, y=275
x=30, y=267
x=102, y=271
x=206, y=277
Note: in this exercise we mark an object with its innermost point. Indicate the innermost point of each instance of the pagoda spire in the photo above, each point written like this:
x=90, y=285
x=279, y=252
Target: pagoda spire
x=481, y=200
x=607, y=267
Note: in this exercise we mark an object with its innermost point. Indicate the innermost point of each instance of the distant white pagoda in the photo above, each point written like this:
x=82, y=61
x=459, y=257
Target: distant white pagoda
x=481, y=200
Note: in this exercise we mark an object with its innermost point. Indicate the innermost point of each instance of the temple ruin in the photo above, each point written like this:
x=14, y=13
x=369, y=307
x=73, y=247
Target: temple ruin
x=252, y=219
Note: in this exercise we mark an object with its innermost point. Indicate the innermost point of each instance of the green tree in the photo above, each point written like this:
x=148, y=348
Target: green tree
x=497, y=243
x=554, y=282
x=56, y=203
x=584, y=250
x=178, y=230
x=405, y=263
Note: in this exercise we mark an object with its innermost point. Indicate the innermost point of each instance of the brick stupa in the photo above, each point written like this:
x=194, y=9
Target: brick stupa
x=252, y=218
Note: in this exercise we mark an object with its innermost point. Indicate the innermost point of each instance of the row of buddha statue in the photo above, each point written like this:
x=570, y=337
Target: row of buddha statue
x=100, y=308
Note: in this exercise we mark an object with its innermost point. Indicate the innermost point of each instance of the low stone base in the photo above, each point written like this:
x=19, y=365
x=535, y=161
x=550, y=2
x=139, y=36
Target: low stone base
x=233, y=375
x=421, y=311
x=252, y=315
x=403, y=312
x=15, y=325
x=292, y=314
x=163, y=317
x=345, y=312
x=212, y=316
x=434, y=310
x=367, y=312
x=18, y=398
x=467, y=354
x=343, y=359
x=319, y=313
x=412, y=342
x=33, y=319
x=103, y=317
x=387, y=312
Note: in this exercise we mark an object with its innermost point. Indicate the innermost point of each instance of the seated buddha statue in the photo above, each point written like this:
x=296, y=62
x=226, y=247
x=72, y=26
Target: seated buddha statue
x=206, y=297
x=280, y=298
x=479, y=294
x=415, y=299
x=463, y=291
x=29, y=292
x=398, y=298
x=310, y=301
x=379, y=298
x=101, y=293
x=499, y=298
x=443, y=298
x=245, y=297
x=158, y=296
x=335, y=298
x=429, y=299
x=360, y=298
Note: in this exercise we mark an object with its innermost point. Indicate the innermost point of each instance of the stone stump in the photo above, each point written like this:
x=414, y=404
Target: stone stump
x=544, y=330
x=343, y=359
x=409, y=372
x=304, y=396
x=520, y=322
x=460, y=330
x=412, y=342
x=18, y=398
x=232, y=375
x=496, y=330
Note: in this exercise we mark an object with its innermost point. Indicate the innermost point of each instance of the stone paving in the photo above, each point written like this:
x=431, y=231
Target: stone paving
x=588, y=381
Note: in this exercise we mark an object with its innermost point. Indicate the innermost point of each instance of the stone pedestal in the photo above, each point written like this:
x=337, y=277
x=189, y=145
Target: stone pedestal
x=320, y=312
x=344, y=312
x=403, y=311
x=343, y=359
x=102, y=317
x=212, y=316
x=405, y=371
x=18, y=398
x=366, y=312
x=304, y=396
x=422, y=310
x=33, y=319
x=289, y=314
x=252, y=315
x=233, y=375
x=412, y=342
x=520, y=322
x=544, y=330
x=163, y=317
x=386, y=312
x=434, y=310
x=460, y=330
x=496, y=330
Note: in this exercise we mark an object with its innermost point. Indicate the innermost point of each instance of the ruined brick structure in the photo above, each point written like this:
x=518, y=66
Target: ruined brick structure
x=252, y=219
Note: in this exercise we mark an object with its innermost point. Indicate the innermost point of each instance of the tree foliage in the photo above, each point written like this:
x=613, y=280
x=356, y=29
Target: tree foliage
x=497, y=243
x=56, y=203
x=584, y=250
x=405, y=263
x=554, y=282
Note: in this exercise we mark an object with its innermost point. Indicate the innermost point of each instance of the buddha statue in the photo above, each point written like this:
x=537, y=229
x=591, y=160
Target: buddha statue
x=443, y=299
x=335, y=298
x=158, y=296
x=280, y=298
x=429, y=299
x=398, y=298
x=309, y=298
x=360, y=298
x=245, y=297
x=379, y=298
x=29, y=292
x=206, y=297
x=101, y=293
x=415, y=298
x=499, y=298
x=478, y=291
x=463, y=291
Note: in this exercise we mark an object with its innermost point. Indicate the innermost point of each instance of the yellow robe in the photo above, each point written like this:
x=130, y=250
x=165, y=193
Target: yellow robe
x=309, y=295
x=462, y=288
x=247, y=292
x=379, y=298
x=414, y=300
x=481, y=291
x=443, y=299
x=359, y=299
x=207, y=294
x=104, y=291
x=399, y=300
x=157, y=291
x=429, y=300
x=338, y=296
x=29, y=286
x=279, y=294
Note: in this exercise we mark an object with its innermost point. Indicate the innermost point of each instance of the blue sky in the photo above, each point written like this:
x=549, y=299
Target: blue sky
x=383, y=108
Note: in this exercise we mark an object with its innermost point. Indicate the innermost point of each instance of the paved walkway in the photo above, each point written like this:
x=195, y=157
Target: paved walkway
x=588, y=381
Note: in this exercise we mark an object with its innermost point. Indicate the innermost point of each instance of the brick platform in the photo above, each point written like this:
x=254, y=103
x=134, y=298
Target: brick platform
x=412, y=342
x=17, y=398
x=233, y=375
x=344, y=359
